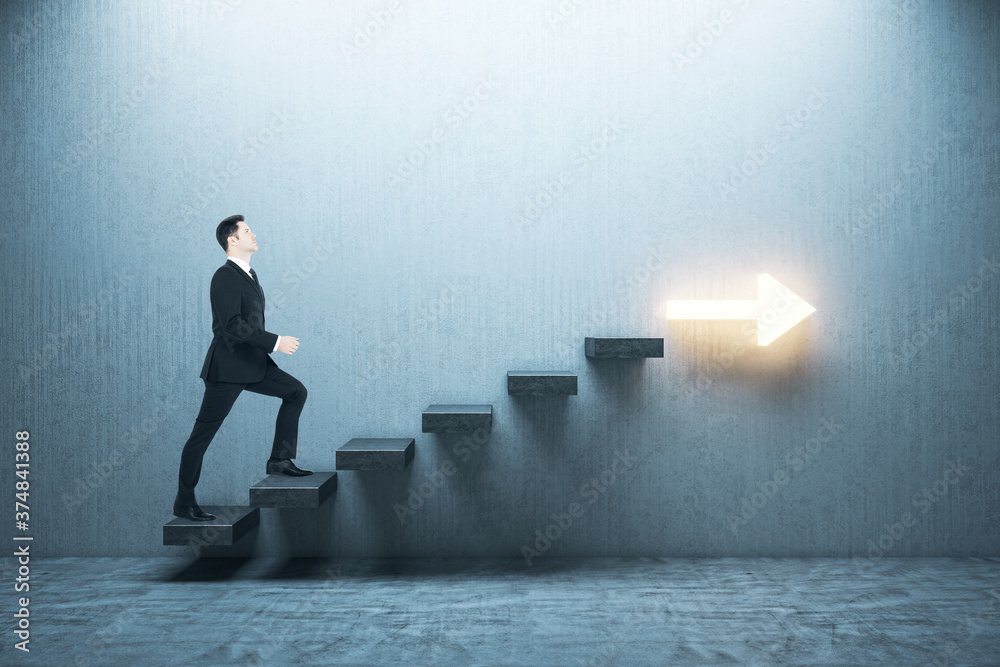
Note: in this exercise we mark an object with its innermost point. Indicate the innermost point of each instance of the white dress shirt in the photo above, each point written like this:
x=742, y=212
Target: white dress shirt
x=246, y=269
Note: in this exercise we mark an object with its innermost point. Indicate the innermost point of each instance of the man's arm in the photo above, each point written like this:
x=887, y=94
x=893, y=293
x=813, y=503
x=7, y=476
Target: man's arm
x=227, y=301
x=276, y=344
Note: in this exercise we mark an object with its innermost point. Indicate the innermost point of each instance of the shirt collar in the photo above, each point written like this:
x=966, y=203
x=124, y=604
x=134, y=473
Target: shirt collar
x=240, y=263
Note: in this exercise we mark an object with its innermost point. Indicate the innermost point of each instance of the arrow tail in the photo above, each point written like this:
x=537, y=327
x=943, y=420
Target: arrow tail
x=712, y=310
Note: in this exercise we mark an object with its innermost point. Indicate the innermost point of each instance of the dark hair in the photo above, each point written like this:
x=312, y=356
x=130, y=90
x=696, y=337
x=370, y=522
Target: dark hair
x=226, y=229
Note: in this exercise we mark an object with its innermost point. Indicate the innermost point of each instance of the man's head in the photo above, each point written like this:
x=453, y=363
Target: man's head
x=235, y=237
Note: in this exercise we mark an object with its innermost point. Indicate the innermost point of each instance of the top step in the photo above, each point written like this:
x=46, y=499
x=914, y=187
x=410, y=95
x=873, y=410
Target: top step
x=623, y=348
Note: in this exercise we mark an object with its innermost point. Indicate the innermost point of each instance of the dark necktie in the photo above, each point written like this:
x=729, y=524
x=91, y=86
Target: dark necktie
x=253, y=274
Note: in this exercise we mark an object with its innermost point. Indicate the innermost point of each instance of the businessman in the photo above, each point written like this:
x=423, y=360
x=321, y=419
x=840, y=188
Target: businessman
x=238, y=359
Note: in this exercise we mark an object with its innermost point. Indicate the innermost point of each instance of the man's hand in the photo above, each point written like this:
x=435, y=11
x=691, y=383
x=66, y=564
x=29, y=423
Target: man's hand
x=288, y=344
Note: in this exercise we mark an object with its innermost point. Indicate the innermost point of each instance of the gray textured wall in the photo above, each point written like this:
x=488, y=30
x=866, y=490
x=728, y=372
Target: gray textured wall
x=390, y=186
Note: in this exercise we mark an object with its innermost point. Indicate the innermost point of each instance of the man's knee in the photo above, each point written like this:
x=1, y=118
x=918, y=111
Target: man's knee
x=299, y=394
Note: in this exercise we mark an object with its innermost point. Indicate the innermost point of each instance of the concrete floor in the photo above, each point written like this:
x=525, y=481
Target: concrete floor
x=130, y=611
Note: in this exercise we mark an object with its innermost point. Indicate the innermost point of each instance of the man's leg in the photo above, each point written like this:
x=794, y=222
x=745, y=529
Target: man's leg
x=216, y=404
x=293, y=394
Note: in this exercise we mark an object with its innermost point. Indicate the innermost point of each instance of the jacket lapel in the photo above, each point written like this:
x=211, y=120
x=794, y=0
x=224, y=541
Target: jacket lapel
x=246, y=277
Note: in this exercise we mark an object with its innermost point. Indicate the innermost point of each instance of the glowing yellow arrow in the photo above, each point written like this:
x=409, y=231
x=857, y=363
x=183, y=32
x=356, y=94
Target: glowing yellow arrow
x=776, y=309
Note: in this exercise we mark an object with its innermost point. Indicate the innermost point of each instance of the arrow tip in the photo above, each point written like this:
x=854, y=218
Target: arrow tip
x=780, y=309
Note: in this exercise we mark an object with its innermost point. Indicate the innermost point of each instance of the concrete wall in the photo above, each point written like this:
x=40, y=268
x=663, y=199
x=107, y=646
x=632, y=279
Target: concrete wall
x=473, y=188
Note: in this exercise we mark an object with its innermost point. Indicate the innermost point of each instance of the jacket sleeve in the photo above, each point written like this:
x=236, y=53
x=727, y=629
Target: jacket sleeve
x=227, y=301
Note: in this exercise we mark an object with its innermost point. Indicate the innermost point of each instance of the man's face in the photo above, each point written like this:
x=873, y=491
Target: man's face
x=243, y=240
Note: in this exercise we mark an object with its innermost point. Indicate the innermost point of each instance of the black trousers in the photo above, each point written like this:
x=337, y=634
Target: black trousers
x=218, y=401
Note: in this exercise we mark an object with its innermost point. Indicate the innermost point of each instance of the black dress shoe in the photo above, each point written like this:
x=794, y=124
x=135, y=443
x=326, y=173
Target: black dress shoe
x=192, y=513
x=286, y=467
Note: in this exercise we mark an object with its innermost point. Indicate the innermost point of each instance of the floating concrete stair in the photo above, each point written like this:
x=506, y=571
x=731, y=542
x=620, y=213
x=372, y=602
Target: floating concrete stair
x=457, y=418
x=623, y=348
x=284, y=491
x=229, y=525
x=541, y=383
x=375, y=454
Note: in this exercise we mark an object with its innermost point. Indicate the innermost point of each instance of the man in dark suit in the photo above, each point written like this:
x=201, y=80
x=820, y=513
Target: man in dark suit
x=238, y=359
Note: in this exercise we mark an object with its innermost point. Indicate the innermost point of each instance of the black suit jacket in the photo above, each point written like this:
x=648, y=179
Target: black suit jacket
x=240, y=345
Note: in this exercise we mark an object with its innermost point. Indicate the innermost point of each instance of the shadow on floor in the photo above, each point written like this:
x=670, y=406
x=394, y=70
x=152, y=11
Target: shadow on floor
x=321, y=568
x=206, y=569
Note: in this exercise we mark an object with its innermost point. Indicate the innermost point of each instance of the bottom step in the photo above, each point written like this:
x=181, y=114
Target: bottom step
x=228, y=526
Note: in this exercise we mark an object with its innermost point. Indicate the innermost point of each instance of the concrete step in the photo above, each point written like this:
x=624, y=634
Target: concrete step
x=229, y=525
x=457, y=418
x=375, y=454
x=623, y=348
x=541, y=383
x=284, y=491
